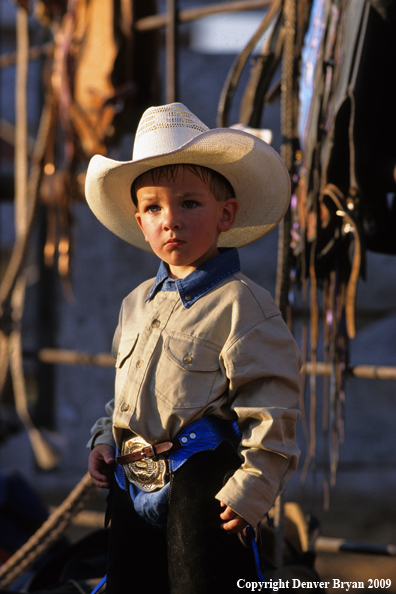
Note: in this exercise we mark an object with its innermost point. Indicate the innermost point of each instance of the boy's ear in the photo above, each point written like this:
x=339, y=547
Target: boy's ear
x=228, y=215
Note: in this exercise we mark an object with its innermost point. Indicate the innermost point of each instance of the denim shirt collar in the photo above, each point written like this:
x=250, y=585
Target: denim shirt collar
x=201, y=280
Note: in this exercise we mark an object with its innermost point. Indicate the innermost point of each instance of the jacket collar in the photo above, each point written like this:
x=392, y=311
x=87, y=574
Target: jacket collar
x=201, y=280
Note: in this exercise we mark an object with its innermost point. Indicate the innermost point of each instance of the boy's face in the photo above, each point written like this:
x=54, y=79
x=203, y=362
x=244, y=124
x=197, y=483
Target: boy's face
x=181, y=220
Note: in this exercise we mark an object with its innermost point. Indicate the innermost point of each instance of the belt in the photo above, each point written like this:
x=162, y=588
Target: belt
x=149, y=451
x=146, y=466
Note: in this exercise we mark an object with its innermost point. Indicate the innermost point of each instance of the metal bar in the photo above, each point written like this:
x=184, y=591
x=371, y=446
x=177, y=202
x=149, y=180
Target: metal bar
x=159, y=21
x=171, y=51
x=69, y=357
x=21, y=129
x=34, y=52
x=361, y=371
x=86, y=518
x=7, y=133
x=373, y=371
x=325, y=544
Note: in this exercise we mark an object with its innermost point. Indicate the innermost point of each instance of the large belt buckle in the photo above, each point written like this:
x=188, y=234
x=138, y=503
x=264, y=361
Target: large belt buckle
x=148, y=474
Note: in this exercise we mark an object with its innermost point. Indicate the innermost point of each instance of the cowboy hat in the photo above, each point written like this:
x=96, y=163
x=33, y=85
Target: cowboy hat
x=171, y=134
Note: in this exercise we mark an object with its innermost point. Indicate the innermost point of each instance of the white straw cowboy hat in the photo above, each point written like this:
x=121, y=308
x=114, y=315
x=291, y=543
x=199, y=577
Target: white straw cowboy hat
x=171, y=134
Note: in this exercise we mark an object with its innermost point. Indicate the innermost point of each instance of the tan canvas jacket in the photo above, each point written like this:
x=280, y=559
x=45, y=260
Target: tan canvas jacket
x=231, y=355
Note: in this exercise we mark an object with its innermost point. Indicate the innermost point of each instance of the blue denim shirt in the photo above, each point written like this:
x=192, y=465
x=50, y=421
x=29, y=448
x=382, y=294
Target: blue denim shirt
x=201, y=280
x=153, y=506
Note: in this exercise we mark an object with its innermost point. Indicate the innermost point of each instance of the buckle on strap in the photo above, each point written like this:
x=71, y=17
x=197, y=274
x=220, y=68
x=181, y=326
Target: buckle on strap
x=143, y=465
x=151, y=453
x=131, y=454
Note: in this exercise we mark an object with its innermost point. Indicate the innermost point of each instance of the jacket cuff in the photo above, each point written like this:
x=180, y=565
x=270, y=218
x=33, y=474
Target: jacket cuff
x=253, y=508
x=100, y=438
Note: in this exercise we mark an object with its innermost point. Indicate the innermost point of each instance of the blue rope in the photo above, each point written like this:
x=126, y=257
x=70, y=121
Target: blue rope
x=98, y=587
x=251, y=534
x=257, y=557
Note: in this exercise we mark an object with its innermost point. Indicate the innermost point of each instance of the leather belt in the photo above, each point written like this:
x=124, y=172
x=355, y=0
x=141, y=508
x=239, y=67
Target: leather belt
x=150, y=451
x=144, y=465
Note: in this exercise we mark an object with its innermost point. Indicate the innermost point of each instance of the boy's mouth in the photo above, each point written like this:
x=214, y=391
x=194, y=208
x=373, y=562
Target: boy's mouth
x=174, y=242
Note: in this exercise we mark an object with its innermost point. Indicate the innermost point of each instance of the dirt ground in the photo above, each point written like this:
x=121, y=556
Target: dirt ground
x=359, y=519
x=348, y=567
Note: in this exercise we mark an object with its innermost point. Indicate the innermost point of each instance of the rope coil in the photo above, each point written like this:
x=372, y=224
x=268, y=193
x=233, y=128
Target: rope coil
x=48, y=533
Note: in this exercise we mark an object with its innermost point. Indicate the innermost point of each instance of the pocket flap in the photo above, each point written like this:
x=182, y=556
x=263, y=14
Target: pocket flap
x=192, y=354
x=125, y=349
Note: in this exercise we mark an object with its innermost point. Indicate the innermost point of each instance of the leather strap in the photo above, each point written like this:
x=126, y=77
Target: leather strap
x=150, y=451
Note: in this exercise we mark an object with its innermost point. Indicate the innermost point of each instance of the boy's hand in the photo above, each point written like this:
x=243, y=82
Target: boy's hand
x=233, y=521
x=100, y=465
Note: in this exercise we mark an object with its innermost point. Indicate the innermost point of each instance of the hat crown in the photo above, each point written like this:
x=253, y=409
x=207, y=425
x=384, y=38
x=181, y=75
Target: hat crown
x=165, y=129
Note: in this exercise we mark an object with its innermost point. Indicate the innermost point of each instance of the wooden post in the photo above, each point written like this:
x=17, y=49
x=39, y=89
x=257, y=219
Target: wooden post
x=171, y=52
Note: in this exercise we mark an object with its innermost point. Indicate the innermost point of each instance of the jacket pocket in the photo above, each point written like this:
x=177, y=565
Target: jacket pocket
x=123, y=363
x=186, y=371
x=125, y=349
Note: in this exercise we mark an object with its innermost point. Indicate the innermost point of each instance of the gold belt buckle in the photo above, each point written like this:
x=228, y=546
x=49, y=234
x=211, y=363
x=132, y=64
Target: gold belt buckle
x=148, y=474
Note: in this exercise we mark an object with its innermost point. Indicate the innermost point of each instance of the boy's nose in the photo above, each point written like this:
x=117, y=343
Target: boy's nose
x=172, y=219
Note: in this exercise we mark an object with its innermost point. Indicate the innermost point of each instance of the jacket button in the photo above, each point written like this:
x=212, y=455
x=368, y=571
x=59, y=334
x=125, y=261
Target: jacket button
x=188, y=359
x=155, y=324
x=139, y=363
x=125, y=407
x=187, y=297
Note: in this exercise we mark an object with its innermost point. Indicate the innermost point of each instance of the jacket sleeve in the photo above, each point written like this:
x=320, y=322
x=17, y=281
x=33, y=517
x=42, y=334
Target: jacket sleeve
x=264, y=382
x=102, y=431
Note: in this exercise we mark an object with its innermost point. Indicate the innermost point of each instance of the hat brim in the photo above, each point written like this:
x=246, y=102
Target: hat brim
x=255, y=170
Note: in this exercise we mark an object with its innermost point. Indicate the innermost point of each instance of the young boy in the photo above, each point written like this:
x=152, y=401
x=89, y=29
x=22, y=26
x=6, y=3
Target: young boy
x=201, y=433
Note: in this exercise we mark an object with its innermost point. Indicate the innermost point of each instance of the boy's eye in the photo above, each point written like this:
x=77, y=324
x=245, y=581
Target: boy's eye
x=189, y=204
x=153, y=208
